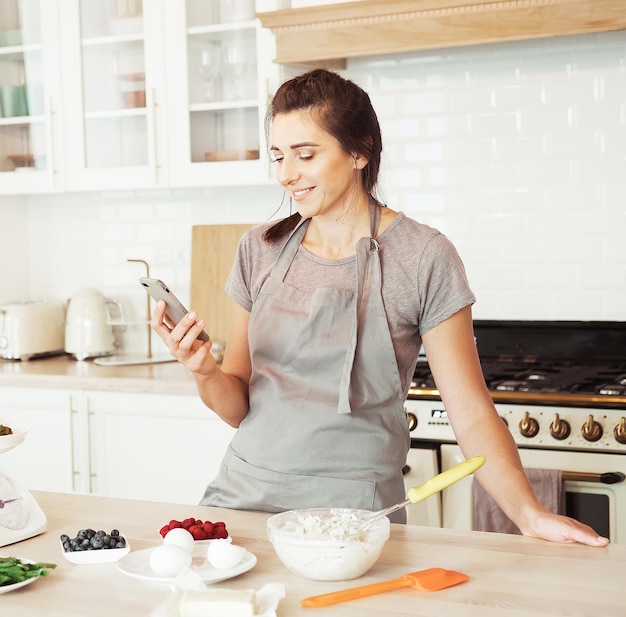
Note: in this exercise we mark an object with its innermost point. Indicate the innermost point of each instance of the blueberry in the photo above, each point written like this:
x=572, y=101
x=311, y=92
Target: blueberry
x=90, y=540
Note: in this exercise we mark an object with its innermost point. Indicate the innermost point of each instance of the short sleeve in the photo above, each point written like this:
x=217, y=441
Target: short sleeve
x=442, y=283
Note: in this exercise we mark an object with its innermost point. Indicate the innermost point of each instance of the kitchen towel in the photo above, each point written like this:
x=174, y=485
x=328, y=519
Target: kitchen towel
x=548, y=485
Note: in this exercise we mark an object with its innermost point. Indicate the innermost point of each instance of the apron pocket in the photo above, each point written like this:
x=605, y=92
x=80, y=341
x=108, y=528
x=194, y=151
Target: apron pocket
x=243, y=486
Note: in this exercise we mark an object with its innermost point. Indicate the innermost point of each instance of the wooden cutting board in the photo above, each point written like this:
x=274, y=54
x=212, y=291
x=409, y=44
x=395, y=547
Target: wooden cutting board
x=213, y=250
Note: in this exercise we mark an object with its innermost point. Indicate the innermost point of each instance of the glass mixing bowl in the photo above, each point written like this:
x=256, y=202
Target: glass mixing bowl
x=324, y=544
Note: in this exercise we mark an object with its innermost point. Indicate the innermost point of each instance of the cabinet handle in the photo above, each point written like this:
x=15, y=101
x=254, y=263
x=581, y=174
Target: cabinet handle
x=50, y=138
x=90, y=474
x=152, y=138
x=75, y=472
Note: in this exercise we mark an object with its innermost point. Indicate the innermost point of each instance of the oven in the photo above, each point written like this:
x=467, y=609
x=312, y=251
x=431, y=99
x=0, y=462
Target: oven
x=560, y=387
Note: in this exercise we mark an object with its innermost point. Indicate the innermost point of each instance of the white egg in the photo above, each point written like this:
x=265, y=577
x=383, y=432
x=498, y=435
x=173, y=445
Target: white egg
x=169, y=559
x=223, y=555
x=180, y=537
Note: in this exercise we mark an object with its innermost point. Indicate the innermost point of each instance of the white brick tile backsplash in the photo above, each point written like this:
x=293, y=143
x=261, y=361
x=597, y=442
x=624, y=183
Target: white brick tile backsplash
x=516, y=151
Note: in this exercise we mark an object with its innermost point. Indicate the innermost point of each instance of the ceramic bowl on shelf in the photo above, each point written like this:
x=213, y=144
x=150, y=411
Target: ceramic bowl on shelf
x=231, y=155
x=22, y=161
x=323, y=544
x=135, y=98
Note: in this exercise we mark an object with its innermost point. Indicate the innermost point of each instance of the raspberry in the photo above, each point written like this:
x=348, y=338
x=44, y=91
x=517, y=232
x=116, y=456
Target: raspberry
x=197, y=532
x=200, y=530
x=220, y=532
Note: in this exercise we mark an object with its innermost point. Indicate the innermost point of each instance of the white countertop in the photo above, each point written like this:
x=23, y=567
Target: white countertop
x=65, y=372
x=510, y=575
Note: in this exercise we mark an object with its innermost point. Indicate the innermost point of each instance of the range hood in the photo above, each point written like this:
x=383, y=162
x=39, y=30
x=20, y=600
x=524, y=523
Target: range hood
x=329, y=34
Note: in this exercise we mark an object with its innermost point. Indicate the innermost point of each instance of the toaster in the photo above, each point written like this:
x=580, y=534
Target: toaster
x=32, y=329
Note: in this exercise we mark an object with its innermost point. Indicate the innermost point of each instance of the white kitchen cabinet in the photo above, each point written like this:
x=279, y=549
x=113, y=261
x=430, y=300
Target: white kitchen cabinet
x=219, y=75
x=113, y=85
x=132, y=94
x=136, y=445
x=153, y=446
x=45, y=460
x=30, y=149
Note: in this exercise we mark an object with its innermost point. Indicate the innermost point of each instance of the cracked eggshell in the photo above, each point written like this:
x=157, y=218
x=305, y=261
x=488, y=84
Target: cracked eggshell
x=223, y=555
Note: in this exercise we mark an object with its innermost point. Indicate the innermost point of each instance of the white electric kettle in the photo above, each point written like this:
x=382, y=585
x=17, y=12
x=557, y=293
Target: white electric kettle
x=88, y=331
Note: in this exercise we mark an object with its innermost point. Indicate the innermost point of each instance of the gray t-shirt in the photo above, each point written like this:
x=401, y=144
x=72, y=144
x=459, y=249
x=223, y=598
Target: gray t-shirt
x=423, y=280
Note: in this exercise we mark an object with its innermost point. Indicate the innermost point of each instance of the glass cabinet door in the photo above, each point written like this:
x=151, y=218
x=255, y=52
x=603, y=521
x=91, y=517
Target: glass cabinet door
x=222, y=69
x=216, y=97
x=114, y=84
x=26, y=65
x=110, y=99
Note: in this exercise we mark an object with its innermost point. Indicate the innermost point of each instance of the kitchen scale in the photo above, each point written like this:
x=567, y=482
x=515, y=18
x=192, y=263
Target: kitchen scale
x=21, y=517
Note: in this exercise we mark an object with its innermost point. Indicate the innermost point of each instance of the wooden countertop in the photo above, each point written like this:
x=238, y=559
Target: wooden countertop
x=510, y=575
x=65, y=372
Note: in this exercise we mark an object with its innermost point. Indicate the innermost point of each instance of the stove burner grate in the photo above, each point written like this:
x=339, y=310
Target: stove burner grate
x=612, y=389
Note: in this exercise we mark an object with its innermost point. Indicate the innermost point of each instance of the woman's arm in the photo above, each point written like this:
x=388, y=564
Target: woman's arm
x=453, y=359
x=222, y=389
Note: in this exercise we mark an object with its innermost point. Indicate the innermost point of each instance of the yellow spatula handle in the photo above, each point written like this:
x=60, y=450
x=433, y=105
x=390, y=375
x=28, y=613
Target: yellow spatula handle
x=445, y=479
x=352, y=594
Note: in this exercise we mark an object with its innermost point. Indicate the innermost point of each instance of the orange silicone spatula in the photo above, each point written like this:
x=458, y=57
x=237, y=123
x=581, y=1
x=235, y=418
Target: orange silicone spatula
x=432, y=579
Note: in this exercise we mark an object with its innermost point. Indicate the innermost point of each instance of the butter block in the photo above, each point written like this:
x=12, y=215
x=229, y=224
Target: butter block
x=218, y=602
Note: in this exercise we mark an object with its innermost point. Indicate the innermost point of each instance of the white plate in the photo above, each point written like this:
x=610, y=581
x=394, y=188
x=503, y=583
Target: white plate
x=137, y=565
x=109, y=555
x=8, y=442
x=28, y=581
x=7, y=588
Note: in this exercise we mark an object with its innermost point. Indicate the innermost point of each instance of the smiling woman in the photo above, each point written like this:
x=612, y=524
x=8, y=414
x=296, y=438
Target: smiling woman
x=315, y=172
x=330, y=307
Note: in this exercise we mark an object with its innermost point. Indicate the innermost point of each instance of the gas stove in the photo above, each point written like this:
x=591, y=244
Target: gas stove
x=557, y=384
x=548, y=362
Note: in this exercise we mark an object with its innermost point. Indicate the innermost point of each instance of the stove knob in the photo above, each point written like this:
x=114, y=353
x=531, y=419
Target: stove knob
x=619, y=432
x=412, y=419
x=559, y=429
x=528, y=426
x=591, y=430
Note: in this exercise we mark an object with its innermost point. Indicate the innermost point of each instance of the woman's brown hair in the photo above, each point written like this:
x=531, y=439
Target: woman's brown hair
x=343, y=110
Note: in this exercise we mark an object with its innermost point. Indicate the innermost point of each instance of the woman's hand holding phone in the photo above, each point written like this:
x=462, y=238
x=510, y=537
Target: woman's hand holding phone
x=182, y=340
x=182, y=331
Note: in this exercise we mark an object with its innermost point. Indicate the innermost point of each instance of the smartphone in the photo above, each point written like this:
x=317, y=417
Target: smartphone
x=175, y=310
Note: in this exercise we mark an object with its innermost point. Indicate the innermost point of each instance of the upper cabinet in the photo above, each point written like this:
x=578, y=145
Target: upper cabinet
x=29, y=88
x=219, y=71
x=131, y=94
x=112, y=53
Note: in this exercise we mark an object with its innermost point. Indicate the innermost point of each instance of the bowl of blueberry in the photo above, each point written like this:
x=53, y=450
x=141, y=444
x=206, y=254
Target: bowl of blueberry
x=91, y=546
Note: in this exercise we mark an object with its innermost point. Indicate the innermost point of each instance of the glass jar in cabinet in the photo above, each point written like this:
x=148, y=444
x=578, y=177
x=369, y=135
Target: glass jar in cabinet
x=29, y=86
x=217, y=94
x=113, y=79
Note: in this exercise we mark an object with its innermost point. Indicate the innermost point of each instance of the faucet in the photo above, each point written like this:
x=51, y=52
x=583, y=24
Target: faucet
x=148, y=315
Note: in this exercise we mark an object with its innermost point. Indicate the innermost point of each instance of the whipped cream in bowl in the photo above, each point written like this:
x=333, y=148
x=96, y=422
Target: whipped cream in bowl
x=326, y=544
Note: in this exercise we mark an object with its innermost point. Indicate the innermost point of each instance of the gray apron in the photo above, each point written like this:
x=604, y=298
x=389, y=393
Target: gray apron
x=326, y=425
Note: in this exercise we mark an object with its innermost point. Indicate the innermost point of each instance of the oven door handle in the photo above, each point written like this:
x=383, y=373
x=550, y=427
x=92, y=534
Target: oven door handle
x=609, y=477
